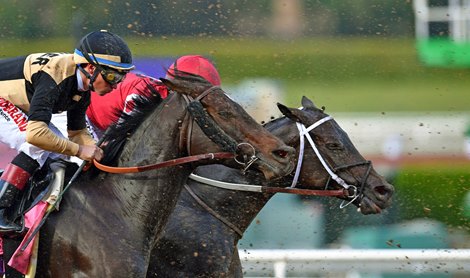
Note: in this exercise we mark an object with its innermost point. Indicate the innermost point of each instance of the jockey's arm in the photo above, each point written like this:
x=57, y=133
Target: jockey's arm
x=47, y=94
x=81, y=137
x=39, y=135
x=81, y=144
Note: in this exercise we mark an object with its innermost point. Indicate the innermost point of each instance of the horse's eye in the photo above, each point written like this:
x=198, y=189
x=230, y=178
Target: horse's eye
x=334, y=146
x=225, y=114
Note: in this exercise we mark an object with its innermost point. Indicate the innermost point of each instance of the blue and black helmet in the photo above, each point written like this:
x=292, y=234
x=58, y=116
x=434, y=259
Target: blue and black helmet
x=103, y=48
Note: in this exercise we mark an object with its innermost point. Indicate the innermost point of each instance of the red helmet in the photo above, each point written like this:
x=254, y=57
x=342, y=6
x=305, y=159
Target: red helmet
x=196, y=64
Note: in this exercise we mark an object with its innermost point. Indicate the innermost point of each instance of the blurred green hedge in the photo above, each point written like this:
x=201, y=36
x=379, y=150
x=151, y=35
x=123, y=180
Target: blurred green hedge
x=435, y=192
x=356, y=74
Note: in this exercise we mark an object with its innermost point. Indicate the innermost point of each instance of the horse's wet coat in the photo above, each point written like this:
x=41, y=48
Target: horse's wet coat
x=197, y=244
x=107, y=224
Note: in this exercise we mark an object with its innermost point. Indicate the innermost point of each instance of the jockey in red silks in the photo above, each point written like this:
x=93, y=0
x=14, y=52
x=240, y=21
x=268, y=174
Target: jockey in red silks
x=101, y=112
x=104, y=110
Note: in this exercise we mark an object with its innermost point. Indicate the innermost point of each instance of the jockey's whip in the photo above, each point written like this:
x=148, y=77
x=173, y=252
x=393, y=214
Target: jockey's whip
x=59, y=197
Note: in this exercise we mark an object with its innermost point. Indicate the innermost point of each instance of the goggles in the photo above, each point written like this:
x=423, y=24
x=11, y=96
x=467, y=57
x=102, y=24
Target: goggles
x=113, y=77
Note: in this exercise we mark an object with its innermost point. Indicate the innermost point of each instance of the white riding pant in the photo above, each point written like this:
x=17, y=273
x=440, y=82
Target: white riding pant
x=13, y=122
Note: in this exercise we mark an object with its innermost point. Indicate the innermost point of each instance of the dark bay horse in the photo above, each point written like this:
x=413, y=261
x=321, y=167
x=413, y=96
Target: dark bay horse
x=108, y=224
x=197, y=243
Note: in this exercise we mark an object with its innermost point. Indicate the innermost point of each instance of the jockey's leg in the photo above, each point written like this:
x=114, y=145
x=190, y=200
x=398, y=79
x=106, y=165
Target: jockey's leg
x=13, y=124
x=12, y=182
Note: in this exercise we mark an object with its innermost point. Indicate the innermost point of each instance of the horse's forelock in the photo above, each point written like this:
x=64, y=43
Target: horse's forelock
x=182, y=80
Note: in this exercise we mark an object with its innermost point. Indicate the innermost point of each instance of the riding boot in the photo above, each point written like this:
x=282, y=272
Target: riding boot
x=12, y=182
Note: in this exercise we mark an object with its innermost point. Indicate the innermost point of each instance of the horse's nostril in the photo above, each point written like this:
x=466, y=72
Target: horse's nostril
x=382, y=190
x=281, y=153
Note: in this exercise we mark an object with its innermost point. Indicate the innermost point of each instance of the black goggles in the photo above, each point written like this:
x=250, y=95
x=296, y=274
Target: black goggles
x=113, y=77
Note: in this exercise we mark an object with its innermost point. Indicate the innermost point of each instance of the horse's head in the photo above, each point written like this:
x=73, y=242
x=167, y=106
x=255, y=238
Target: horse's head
x=332, y=161
x=253, y=144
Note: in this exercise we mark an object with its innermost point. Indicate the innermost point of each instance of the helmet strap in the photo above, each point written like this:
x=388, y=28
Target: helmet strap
x=92, y=78
x=86, y=49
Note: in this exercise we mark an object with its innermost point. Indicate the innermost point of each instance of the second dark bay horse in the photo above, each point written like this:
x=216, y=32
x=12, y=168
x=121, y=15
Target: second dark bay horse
x=200, y=239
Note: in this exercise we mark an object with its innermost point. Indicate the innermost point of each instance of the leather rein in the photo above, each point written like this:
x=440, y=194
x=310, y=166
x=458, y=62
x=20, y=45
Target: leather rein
x=268, y=189
x=168, y=163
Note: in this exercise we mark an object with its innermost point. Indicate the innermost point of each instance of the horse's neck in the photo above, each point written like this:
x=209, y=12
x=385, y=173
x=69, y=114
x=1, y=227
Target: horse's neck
x=156, y=138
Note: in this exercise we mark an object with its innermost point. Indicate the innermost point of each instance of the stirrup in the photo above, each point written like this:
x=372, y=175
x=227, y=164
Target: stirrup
x=58, y=168
x=14, y=229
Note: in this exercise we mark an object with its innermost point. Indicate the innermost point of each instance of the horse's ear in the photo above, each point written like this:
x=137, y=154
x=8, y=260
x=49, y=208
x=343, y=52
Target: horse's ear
x=290, y=113
x=307, y=103
x=169, y=83
x=173, y=85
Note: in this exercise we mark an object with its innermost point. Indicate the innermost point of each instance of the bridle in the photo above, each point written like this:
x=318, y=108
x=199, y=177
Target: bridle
x=304, y=132
x=248, y=160
x=348, y=192
x=202, y=118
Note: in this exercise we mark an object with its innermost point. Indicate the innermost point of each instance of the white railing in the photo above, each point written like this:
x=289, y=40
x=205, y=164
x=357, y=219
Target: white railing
x=350, y=262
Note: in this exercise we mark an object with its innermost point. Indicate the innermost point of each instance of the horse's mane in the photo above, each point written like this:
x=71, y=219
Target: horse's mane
x=144, y=104
x=116, y=135
x=273, y=122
